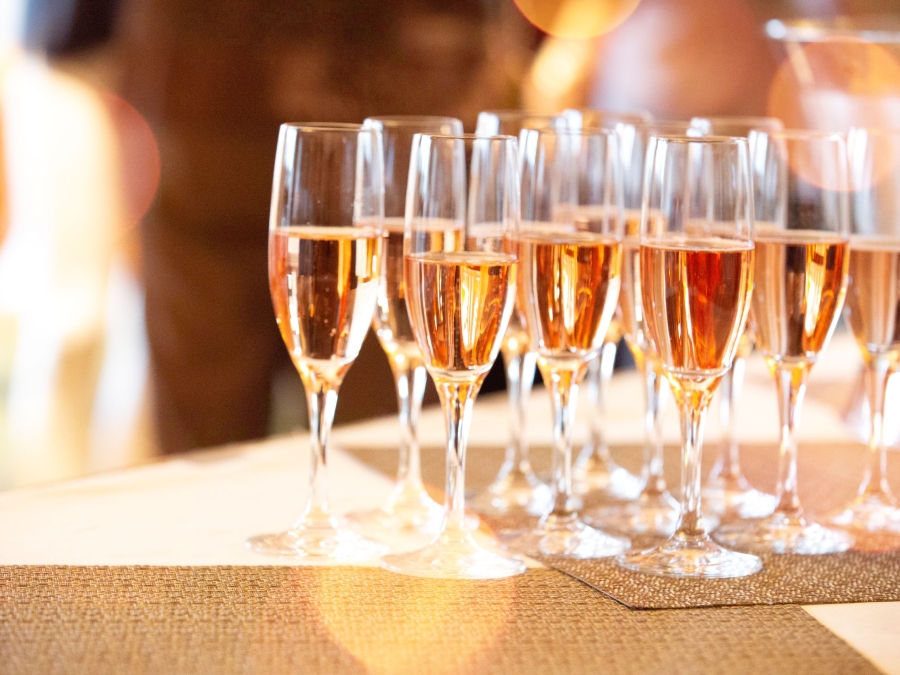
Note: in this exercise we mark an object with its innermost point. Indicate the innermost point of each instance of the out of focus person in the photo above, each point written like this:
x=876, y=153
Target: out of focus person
x=215, y=79
x=70, y=339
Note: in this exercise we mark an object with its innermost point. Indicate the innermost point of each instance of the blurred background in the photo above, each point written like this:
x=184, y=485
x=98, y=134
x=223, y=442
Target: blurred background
x=137, y=140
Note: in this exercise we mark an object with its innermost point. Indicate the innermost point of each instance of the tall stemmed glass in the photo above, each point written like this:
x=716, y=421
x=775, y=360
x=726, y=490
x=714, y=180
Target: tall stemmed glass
x=595, y=469
x=516, y=487
x=696, y=275
x=655, y=511
x=325, y=243
x=727, y=492
x=460, y=275
x=570, y=247
x=802, y=256
x=873, y=308
x=409, y=508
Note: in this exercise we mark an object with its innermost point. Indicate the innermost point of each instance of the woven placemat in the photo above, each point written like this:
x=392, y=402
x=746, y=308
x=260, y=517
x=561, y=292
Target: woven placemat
x=828, y=478
x=98, y=620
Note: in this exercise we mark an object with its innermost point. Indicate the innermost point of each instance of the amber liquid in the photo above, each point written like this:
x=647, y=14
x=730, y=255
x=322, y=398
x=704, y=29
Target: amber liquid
x=460, y=304
x=695, y=297
x=800, y=281
x=873, y=297
x=569, y=282
x=324, y=283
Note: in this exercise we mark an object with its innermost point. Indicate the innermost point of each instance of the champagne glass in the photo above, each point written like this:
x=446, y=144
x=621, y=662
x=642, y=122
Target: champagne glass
x=516, y=488
x=727, y=492
x=655, y=511
x=409, y=508
x=696, y=277
x=802, y=255
x=595, y=469
x=325, y=244
x=460, y=274
x=570, y=259
x=873, y=299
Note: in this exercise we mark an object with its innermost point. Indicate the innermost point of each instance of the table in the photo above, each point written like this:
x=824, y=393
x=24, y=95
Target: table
x=144, y=570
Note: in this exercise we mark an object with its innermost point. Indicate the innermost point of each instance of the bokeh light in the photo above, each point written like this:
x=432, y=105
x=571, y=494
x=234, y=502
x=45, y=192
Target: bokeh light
x=422, y=616
x=576, y=19
x=837, y=83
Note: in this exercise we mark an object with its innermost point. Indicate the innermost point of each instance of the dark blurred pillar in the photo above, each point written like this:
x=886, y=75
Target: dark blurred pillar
x=215, y=79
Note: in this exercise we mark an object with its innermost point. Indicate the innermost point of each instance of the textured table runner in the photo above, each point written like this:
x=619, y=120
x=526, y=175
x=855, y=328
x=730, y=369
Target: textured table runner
x=195, y=620
x=829, y=476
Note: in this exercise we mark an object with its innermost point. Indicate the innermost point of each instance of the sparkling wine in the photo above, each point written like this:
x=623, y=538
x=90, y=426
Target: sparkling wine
x=324, y=283
x=873, y=296
x=800, y=283
x=695, y=297
x=460, y=304
x=570, y=284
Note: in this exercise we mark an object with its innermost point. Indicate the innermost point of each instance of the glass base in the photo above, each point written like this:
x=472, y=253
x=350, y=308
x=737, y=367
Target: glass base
x=729, y=502
x=869, y=513
x=564, y=536
x=697, y=557
x=512, y=492
x=596, y=474
x=454, y=555
x=323, y=539
x=780, y=533
x=410, y=510
x=655, y=513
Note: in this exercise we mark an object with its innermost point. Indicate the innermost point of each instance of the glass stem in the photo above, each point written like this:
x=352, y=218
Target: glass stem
x=693, y=410
x=409, y=377
x=791, y=383
x=600, y=372
x=653, y=437
x=874, y=485
x=728, y=468
x=563, y=384
x=321, y=398
x=457, y=402
x=519, y=379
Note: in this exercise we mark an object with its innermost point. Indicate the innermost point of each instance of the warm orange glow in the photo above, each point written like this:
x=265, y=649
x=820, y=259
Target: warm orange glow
x=416, y=619
x=576, y=19
x=835, y=84
x=139, y=156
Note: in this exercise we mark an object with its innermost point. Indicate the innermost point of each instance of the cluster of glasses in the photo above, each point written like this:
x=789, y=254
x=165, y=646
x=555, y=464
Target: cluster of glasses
x=547, y=238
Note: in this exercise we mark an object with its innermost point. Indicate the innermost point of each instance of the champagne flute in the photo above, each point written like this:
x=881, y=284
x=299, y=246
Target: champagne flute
x=655, y=511
x=409, y=508
x=873, y=299
x=325, y=244
x=570, y=258
x=460, y=274
x=595, y=469
x=802, y=256
x=516, y=488
x=727, y=492
x=696, y=276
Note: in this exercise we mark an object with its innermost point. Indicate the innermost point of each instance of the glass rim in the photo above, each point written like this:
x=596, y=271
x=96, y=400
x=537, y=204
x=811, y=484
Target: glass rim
x=399, y=120
x=739, y=119
x=662, y=124
x=875, y=131
x=592, y=131
x=804, y=135
x=512, y=113
x=468, y=137
x=307, y=127
x=709, y=140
